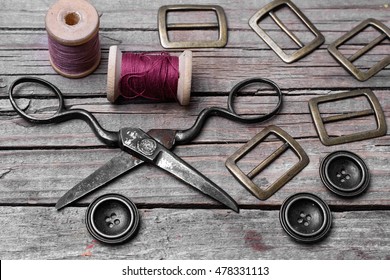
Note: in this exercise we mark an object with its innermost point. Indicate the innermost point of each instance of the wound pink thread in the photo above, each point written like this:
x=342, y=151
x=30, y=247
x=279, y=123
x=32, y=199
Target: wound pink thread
x=152, y=77
x=75, y=60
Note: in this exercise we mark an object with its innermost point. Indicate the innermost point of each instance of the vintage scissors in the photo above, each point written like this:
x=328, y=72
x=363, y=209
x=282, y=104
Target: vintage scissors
x=151, y=147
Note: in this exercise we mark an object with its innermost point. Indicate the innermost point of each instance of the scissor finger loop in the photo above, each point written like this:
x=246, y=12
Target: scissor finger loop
x=257, y=118
x=44, y=83
x=187, y=135
x=108, y=137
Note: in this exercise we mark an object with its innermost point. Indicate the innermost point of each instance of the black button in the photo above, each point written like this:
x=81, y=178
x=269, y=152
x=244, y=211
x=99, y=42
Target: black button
x=305, y=217
x=112, y=218
x=344, y=173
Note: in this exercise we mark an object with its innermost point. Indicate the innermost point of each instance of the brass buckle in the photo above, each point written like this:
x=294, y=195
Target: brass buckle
x=335, y=140
x=347, y=62
x=304, y=49
x=246, y=179
x=163, y=26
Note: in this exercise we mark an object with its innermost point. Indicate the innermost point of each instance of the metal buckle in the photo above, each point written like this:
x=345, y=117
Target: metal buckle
x=304, y=49
x=335, y=140
x=246, y=179
x=347, y=62
x=163, y=26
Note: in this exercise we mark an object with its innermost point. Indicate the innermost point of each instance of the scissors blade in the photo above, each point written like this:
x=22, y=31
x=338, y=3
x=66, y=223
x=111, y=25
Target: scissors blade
x=142, y=145
x=115, y=167
x=179, y=168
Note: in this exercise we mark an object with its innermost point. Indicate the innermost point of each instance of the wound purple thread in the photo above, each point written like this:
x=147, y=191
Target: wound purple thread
x=151, y=77
x=75, y=60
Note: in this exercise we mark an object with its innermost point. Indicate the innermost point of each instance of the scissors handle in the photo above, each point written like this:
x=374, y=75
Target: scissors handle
x=185, y=136
x=108, y=137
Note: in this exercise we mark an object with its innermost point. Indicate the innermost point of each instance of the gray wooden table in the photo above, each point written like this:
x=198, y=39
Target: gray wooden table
x=39, y=163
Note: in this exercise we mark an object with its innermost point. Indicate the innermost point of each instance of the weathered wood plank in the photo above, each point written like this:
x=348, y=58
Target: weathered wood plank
x=20, y=134
x=148, y=40
x=246, y=102
x=43, y=176
x=294, y=118
x=43, y=233
x=314, y=74
x=139, y=14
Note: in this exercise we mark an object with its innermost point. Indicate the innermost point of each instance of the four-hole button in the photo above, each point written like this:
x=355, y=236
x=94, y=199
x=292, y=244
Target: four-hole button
x=112, y=218
x=305, y=217
x=344, y=173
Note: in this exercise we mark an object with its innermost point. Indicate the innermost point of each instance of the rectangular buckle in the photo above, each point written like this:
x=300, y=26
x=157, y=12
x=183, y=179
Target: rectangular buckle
x=335, y=140
x=304, y=50
x=246, y=179
x=347, y=62
x=163, y=26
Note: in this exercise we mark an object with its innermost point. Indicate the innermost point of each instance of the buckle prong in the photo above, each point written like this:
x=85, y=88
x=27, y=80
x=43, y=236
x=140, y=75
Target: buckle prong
x=189, y=26
x=285, y=29
x=278, y=152
x=347, y=116
x=366, y=48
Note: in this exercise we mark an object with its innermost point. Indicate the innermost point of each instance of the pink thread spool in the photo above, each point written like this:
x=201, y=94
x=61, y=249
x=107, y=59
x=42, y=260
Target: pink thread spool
x=73, y=30
x=115, y=70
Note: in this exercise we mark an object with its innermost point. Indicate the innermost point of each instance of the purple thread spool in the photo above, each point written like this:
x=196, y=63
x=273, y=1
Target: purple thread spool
x=114, y=74
x=73, y=31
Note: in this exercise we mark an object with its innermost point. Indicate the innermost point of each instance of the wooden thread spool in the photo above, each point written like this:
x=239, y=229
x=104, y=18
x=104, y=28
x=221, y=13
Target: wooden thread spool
x=114, y=75
x=71, y=24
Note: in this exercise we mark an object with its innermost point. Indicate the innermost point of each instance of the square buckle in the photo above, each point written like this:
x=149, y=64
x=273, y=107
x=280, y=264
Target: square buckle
x=304, y=49
x=335, y=140
x=347, y=62
x=246, y=179
x=163, y=26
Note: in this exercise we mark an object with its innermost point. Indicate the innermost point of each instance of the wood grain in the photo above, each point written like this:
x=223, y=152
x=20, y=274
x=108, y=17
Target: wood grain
x=43, y=233
x=42, y=176
x=39, y=163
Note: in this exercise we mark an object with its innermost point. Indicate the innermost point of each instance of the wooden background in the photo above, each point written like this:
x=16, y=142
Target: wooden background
x=39, y=163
